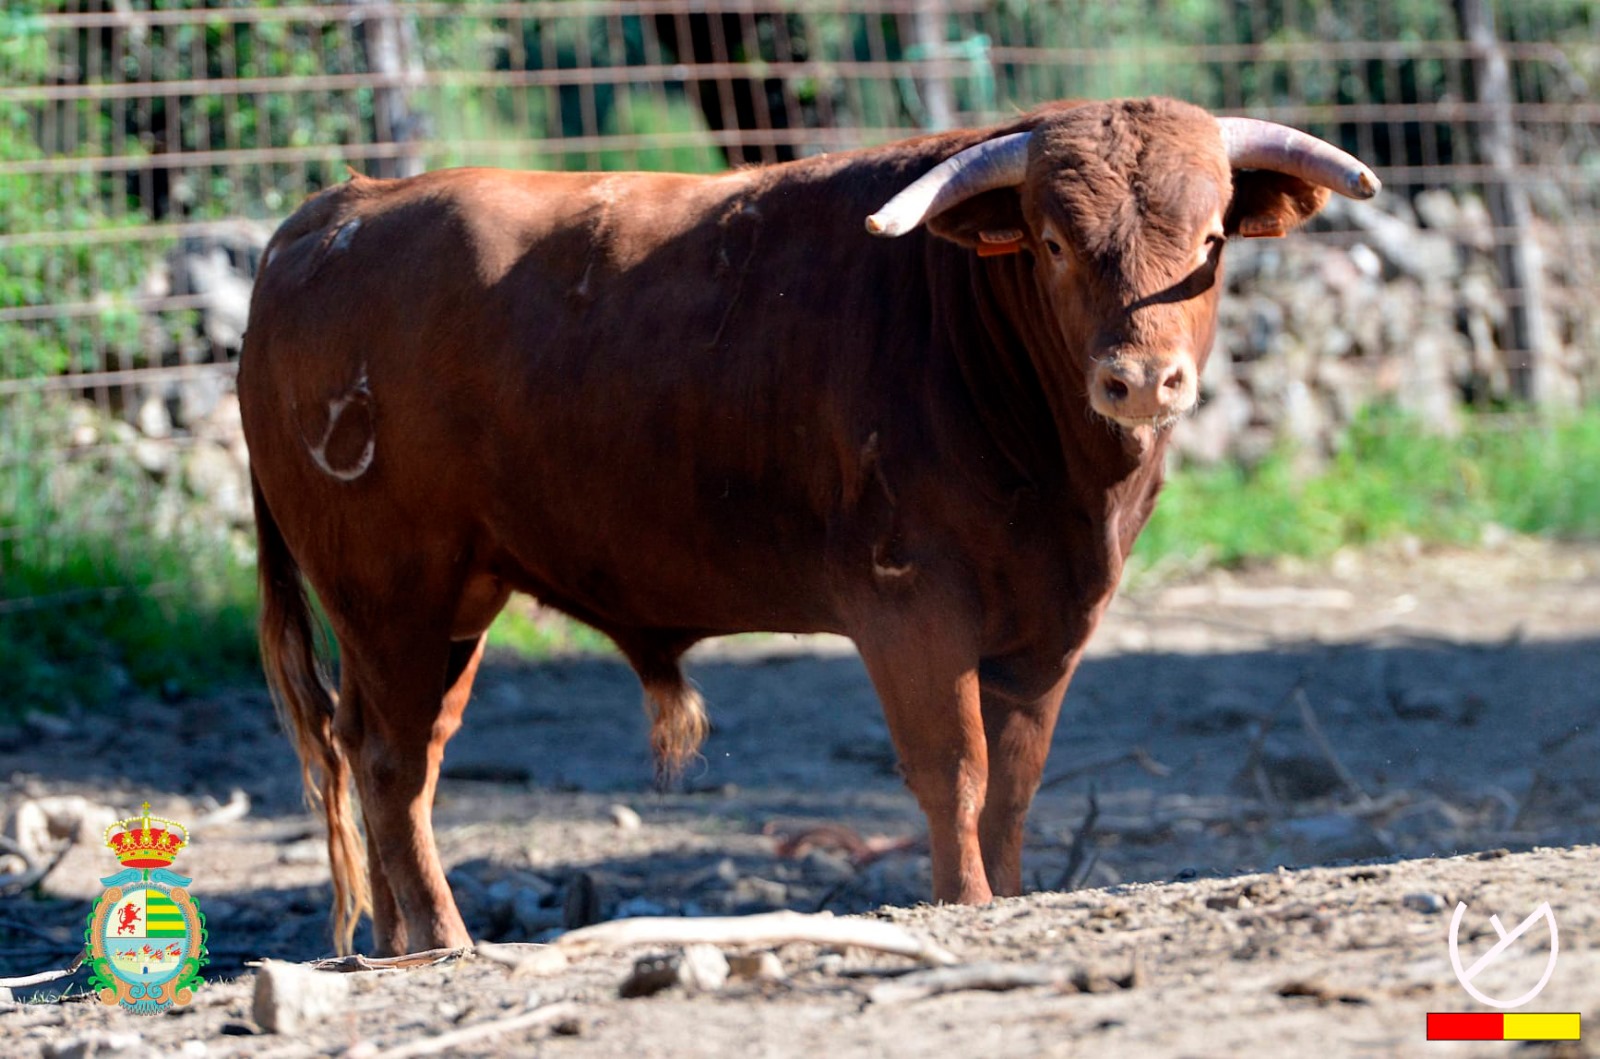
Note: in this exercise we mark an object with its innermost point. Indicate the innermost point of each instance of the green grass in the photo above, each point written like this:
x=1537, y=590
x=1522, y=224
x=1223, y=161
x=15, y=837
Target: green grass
x=1388, y=479
x=153, y=615
x=180, y=611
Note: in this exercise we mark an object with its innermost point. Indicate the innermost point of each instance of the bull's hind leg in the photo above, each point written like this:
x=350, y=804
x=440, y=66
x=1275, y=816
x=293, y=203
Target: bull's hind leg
x=929, y=688
x=1018, y=736
x=402, y=699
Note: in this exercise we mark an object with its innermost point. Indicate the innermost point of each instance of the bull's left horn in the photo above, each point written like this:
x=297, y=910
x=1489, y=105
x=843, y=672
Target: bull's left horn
x=998, y=163
x=1255, y=144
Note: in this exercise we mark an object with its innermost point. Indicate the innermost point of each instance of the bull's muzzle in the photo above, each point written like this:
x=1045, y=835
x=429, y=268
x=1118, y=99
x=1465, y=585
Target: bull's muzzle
x=1144, y=391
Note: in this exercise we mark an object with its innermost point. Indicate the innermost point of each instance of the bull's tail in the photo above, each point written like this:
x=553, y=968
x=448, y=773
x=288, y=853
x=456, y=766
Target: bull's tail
x=305, y=706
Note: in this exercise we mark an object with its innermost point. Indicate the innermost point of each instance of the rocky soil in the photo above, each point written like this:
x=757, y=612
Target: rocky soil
x=1269, y=792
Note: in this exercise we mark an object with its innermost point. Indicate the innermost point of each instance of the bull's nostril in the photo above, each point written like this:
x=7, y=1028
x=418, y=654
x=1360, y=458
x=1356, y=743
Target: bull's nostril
x=1174, y=381
x=1116, y=389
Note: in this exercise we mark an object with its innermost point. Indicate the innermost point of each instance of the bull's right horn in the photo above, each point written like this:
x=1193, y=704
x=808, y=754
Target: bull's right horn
x=998, y=163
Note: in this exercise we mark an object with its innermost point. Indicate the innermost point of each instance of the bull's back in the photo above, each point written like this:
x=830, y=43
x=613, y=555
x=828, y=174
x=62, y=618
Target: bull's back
x=559, y=371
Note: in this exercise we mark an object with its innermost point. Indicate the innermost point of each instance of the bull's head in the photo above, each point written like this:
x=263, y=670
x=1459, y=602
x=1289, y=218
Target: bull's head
x=1122, y=210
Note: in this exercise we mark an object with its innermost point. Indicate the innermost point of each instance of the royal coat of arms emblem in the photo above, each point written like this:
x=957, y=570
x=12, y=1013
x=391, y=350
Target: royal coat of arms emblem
x=146, y=937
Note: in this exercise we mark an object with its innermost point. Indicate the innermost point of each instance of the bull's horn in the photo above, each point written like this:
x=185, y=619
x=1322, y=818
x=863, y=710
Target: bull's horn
x=998, y=163
x=1254, y=144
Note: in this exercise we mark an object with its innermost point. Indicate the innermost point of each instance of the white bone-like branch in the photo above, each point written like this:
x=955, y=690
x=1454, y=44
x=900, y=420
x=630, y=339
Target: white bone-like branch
x=772, y=928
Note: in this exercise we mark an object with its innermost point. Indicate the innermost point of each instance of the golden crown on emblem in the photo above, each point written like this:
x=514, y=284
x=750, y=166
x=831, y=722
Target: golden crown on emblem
x=146, y=841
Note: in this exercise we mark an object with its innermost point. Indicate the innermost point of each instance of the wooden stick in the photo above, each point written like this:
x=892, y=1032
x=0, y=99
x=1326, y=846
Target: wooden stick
x=358, y=962
x=455, y=1039
x=42, y=977
x=1308, y=721
x=772, y=928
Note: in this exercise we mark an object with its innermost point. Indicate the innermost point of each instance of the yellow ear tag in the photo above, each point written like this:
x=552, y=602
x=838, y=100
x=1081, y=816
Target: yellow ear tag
x=1262, y=228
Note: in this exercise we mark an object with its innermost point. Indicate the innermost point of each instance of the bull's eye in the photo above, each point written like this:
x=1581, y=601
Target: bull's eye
x=1053, y=246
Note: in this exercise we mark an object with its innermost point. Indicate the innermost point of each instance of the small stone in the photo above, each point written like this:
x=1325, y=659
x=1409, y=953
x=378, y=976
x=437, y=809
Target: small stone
x=289, y=998
x=761, y=966
x=752, y=891
x=532, y=915
x=698, y=969
x=304, y=851
x=827, y=867
x=624, y=818
x=1429, y=904
x=704, y=969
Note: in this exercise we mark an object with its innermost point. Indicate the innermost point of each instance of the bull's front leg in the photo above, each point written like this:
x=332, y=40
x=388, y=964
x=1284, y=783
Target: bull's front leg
x=927, y=679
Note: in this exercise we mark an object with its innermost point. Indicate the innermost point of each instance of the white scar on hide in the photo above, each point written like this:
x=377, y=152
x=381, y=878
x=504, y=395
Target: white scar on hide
x=346, y=232
x=319, y=451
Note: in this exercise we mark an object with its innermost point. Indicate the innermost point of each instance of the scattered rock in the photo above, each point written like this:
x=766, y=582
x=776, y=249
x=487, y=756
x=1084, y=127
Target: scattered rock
x=1427, y=903
x=754, y=893
x=697, y=968
x=532, y=914
x=289, y=998
x=304, y=851
x=624, y=818
x=761, y=966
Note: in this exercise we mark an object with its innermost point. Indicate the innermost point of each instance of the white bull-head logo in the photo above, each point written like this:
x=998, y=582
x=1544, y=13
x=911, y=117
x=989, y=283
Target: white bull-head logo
x=1465, y=977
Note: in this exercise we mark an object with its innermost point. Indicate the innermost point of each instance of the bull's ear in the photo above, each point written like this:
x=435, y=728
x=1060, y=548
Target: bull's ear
x=989, y=223
x=1269, y=204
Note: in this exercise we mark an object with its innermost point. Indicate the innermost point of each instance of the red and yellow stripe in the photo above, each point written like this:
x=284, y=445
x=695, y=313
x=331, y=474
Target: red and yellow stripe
x=1503, y=1026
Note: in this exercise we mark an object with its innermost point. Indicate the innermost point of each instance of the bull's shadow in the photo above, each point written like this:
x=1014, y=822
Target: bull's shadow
x=1439, y=746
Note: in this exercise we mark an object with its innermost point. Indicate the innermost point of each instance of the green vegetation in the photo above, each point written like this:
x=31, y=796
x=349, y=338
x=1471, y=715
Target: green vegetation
x=1389, y=479
x=187, y=618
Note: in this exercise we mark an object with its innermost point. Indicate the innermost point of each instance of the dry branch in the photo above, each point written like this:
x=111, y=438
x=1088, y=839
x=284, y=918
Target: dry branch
x=1138, y=756
x=1075, y=873
x=43, y=976
x=772, y=928
x=358, y=962
x=1308, y=721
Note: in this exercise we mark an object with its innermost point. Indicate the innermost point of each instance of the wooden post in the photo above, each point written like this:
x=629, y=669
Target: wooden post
x=1536, y=373
x=393, y=52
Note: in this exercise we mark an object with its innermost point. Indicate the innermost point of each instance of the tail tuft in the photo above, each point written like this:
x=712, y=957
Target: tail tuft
x=305, y=705
x=678, y=724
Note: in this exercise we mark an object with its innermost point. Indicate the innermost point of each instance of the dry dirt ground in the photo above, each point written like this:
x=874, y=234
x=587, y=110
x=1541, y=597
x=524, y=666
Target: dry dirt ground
x=1269, y=791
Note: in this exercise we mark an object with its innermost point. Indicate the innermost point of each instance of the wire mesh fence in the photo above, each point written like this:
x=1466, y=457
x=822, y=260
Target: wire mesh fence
x=147, y=149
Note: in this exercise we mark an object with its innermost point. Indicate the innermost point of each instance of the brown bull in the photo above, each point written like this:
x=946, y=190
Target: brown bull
x=676, y=407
